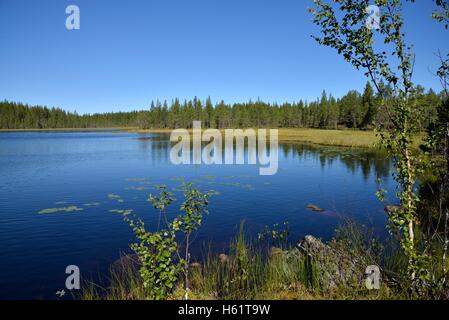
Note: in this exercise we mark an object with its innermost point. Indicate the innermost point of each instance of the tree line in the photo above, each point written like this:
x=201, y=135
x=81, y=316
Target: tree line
x=353, y=110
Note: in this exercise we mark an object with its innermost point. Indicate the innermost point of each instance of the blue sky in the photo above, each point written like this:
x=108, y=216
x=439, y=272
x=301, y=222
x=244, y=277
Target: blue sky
x=128, y=53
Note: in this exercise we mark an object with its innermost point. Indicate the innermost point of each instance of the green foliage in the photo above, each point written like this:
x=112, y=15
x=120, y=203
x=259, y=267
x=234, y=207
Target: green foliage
x=353, y=110
x=249, y=273
x=161, y=203
x=194, y=206
x=393, y=65
x=276, y=235
x=441, y=14
x=158, y=251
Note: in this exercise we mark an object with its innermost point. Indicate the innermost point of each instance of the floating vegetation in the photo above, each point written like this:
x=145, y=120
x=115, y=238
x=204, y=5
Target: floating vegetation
x=230, y=184
x=115, y=197
x=229, y=177
x=176, y=178
x=208, y=177
x=238, y=185
x=60, y=202
x=214, y=192
x=64, y=209
x=137, y=188
x=124, y=212
x=93, y=204
x=243, y=176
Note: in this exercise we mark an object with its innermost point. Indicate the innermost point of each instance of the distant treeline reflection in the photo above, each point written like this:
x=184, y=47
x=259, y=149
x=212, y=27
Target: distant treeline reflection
x=368, y=161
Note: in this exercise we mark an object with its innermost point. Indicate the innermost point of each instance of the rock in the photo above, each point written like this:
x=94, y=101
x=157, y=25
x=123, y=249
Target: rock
x=314, y=208
x=330, y=266
x=312, y=245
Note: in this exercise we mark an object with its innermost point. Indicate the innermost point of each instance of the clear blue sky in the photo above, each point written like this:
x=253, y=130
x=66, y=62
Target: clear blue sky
x=130, y=52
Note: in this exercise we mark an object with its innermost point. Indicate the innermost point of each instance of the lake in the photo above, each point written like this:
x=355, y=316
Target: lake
x=59, y=192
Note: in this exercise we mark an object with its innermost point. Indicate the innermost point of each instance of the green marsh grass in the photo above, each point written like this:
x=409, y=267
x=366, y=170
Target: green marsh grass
x=251, y=270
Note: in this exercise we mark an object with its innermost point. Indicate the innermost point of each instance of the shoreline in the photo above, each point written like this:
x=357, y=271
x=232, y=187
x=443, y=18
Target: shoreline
x=326, y=137
x=112, y=129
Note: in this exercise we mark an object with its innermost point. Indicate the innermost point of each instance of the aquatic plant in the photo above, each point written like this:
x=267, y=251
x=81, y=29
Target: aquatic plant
x=115, y=197
x=64, y=209
x=124, y=212
x=93, y=204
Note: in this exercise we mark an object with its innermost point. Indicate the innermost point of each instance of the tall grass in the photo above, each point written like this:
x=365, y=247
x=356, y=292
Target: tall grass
x=124, y=281
x=253, y=270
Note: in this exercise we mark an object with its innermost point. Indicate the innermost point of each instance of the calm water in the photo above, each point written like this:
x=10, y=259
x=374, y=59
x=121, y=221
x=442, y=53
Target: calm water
x=102, y=171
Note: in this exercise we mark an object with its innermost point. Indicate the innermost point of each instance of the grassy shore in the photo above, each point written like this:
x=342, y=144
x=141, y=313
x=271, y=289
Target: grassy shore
x=343, y=138
x=251, y=270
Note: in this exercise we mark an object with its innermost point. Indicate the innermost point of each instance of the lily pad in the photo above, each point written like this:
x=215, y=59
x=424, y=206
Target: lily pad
x=64, y=209
x=115, y=197
x=138, y=188
x=124, y=212
x=93, y=204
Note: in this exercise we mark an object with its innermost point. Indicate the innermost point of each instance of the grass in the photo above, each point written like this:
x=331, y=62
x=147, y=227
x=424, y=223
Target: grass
x=251, y=270
x=124, y=283
x=343, y=138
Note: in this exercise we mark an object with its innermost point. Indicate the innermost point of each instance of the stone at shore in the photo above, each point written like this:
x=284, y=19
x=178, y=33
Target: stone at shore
x=329, y=265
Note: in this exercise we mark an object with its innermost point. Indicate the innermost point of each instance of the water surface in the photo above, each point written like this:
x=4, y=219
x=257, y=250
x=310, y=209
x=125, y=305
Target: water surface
x=93, y=174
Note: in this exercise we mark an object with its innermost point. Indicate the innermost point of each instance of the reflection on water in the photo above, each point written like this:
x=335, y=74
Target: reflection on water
x=110, y=174
x=365, y=161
